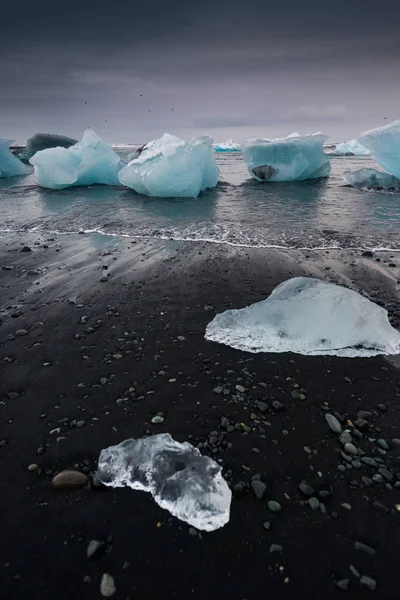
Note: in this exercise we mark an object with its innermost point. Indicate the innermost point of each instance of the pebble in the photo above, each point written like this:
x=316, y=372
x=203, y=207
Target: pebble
x=354, y=571
x=21, y=332
x=240, y=389
x=333, y=423
x=33, y=467
x=225, y=422
x=157, y=420
x=262, y=406
x=26, y=249
x=87, y=579
x=351, y=449
x=345, y=438
x=343, y=584
x=107, y=585
x=274, y=506
x=369, y=461
x=364, y=548
x=278, y=406
x=382, y=444
x=68, y=480
x=117, y=356
x=314, y=503
x=306, y=489
x=275, y=548
x=95, y=548
x=104, y=278
x=368, y=582
x=103, y=380
x=181, y=338
x=258, y=488
x=80, y=424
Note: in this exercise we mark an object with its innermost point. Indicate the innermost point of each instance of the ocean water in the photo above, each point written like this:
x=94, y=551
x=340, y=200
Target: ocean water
x=240, y=211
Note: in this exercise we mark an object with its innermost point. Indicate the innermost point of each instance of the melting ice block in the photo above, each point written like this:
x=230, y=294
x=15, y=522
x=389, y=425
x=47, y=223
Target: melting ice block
x=190, y=486
x=384, y=145
x=308, y=316
x=88, y=162
x=228, y=146
x=169, y=167
x=370, y=178
x=10, y=165
x=294, y=158
x=350, y=148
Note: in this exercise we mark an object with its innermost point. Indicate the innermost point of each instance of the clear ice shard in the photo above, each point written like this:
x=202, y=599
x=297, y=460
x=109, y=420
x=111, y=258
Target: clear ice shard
x=350, y=148
x=294, y=158
x=371, y=179
x=190, y=486
x=384, y=145
x=170, y=168
x=10, y=165
x=88, y=162
x=308, y=316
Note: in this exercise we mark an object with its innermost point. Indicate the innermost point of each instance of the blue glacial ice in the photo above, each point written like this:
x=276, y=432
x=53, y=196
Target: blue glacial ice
x=10, y=165
x=350, y=148
x=169, y=167
x=371, y=179
x=294, y=158
x=384, y=145
x=228, y=146
x=308, y=316
x=88, y=162
x=190, y=486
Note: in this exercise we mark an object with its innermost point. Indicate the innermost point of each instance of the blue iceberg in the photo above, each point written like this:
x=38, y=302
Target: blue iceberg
x=88, y=162
x=169, y=167
x=294, y=158
x=228, y=146
x=384, y=145
x=10, y=165
x=350, y=148
x=371, y=179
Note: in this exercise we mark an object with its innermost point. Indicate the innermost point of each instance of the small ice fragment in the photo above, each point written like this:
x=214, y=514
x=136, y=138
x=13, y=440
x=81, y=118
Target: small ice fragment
x=10, y=165
x=308, y=316
x=350, y=148
x=190, y=486
x=371, y=179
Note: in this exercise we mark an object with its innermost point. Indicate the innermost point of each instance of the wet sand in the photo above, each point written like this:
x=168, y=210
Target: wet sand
x=106, y=355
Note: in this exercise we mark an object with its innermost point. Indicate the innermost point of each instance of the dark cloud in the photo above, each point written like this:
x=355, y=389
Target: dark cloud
x=231, y=68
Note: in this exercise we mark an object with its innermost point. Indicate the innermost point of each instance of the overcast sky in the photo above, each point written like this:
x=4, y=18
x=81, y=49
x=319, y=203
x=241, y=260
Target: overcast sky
x=232, y=69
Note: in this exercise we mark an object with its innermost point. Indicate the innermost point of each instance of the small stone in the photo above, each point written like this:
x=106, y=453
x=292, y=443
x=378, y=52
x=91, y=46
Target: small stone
x=343, y=584
x=258, y=488
x=87, y=579
x=275, y=548
x=346, y=505
x=107, y=585
x=103, y=279
x=95, y=549
x=361, y=424
x=306, y=489
x=262, y=406
x=21, y=332
x=80, y=424
x=345, y=438
x=382, y=444
x=218, y=390
x=368, y=582
x=26, y=249
x=351, y=449
x=117, y=356
x=364, y=548
x=274, y=506
x=240, y=389
x=181, y=338
x=68, y=480
x=278, y=406
x=267, y=525
x=157, y=420
x=369, y=461
x=33, y=467
x=225, y=422
x=333, y=423
x=103, y=381
x=354, y=571
x=314, y=503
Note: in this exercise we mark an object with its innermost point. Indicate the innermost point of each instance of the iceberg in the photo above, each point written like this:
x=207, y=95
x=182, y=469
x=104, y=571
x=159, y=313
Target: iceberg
x=384, y=145
x=372, y=179
x=10, y=165
x=88, y=162
x=308, y=316
x=228, y=146
x=350, y=148
x=169, y=167
x=190, y=486
x=294, y=158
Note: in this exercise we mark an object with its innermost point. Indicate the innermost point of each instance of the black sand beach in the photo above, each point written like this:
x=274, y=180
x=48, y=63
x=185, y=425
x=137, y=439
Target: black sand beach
x=98, y=359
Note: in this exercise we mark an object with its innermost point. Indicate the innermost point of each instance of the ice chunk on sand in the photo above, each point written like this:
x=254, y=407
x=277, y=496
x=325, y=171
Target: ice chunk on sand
x=308, y=316
x=294, y=158
x=384, y=145
x=350, y=148
x=190, y=486
x=169, y=167
x=10, y=165
x=228, y=146
x=370, y=178
x=89, y=161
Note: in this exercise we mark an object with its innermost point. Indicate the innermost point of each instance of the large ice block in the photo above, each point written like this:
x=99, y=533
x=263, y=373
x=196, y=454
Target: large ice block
x=308, y=316
x=169, y=167
x=371, y=179
x=88, y=162
x=10, y=165
x=294, y=158
x=384, y=145
x=190, y=486
x=350, y=148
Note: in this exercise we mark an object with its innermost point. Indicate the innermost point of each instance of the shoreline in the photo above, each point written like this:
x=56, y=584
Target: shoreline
x=110, y=354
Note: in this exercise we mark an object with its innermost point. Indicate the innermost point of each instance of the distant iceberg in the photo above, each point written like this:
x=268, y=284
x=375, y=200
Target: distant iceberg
x=228, y=146
x=294, y=158
x=371, y=179
x=350, y=148
x=190, y=486
x=169, y=167
x=10, y=165
x=308, y=316
x=88, y=162
x=384, y=145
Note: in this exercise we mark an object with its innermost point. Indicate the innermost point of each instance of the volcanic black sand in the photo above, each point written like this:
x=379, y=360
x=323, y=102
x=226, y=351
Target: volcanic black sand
x=94, y=361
